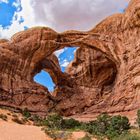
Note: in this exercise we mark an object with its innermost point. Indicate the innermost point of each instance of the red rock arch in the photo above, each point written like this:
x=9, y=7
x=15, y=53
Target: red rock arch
x=117, y=37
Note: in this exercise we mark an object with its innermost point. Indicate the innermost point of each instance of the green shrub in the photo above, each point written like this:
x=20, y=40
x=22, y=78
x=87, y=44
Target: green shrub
x=118, y=125
x=107, y=125
x=38, y=121
x=138, y=118
x=26, y=113
x=99, y=126
x=53, y=121
x=128, y=136
x=70, y=124
x=34, y=118
x=56, y=135
x=103, y=122
x=92, y=127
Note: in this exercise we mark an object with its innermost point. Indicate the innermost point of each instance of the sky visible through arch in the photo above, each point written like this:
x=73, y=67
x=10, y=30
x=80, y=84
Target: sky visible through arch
x=65, y=56
x=61, y=15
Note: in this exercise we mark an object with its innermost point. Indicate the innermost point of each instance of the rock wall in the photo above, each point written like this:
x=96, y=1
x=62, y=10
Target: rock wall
x=104, y=76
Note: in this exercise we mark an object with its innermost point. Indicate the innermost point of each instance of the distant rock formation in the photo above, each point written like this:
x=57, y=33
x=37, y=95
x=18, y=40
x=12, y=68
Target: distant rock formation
x=104, y=76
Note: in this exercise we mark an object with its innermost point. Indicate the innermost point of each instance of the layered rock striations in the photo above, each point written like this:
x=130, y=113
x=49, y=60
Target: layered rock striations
x=103, y=77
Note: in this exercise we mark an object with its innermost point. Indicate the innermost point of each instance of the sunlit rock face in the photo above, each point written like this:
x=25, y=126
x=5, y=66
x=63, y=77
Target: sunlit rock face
x=103, y=77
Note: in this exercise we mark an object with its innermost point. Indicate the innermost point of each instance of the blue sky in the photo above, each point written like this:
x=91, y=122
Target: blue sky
x=64, y=59
x=7, y=10
x=18, y=15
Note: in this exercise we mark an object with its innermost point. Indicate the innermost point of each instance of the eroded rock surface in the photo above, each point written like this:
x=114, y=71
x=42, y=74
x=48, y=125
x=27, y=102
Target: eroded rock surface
x=104, y=76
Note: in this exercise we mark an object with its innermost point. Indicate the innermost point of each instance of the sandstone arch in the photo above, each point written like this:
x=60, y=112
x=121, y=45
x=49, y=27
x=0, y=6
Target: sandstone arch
x=114, y=48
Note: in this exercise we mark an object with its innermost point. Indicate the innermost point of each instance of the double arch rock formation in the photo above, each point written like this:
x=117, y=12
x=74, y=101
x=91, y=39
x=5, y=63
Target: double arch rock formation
x=104, y=76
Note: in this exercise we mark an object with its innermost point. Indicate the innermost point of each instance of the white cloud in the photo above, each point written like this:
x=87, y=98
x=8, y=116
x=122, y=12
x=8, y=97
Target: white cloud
x=74, y=14
x=26, y=13
x=17, y=4
x=9, y=31
x=5, y=1
x=59, y=52
x=65, y=63
x=62, y=14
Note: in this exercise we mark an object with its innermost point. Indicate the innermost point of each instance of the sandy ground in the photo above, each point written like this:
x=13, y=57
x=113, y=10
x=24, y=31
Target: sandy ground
x=79, y=135
x=12, y=131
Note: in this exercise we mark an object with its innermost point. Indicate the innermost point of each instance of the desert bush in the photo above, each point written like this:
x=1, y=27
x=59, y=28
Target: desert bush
x=70, y=124
x=3, y=117
x=55, y=134
x=56, y=121
x=53, y=121
x=128, y=136
x=103, y=126
x=99, y=126
x=26, y=113
x=17, y=120
x=14, y=115
x=9, y=114
x=118, y=125
x=38, y=121
x=92, y=127
x=24, y=120
x=138, y=118
x=109, y=126
x=103, y=123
